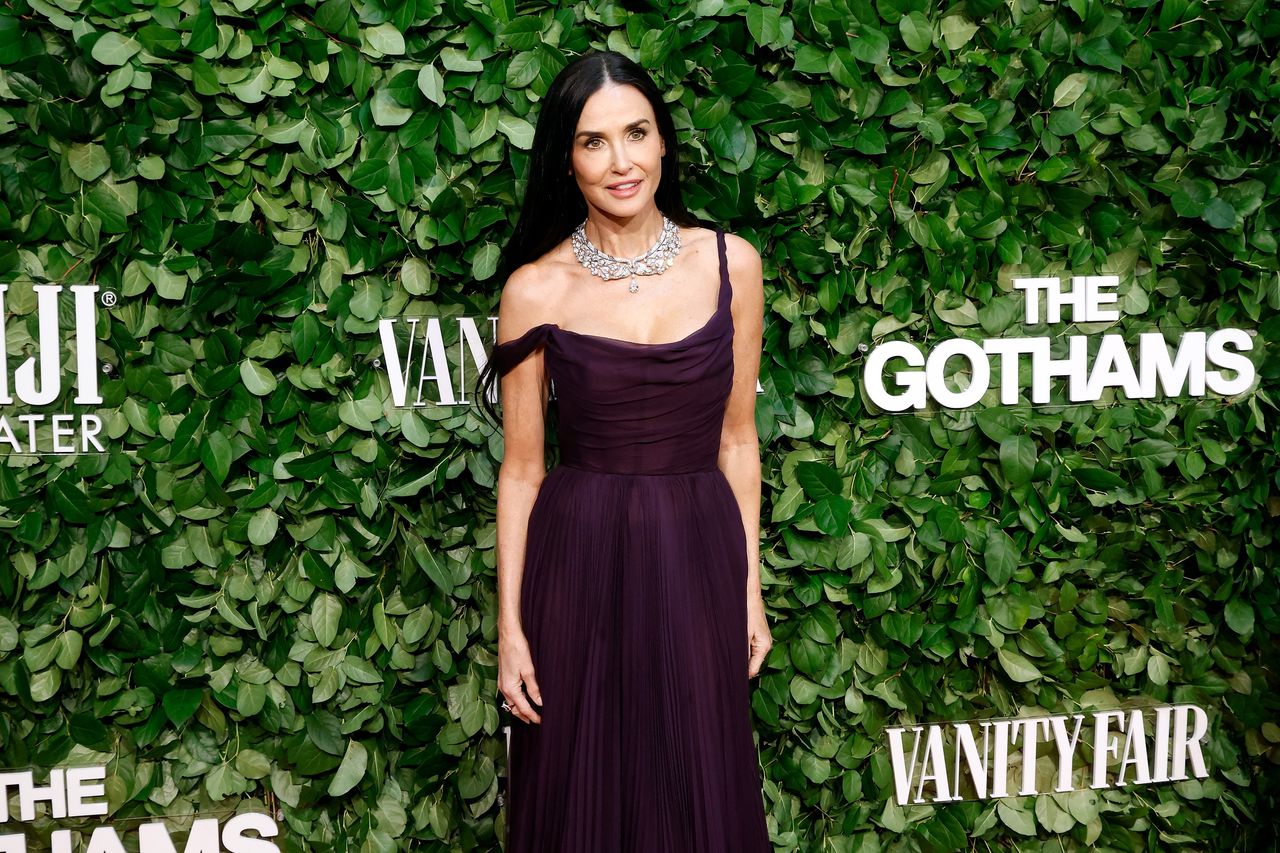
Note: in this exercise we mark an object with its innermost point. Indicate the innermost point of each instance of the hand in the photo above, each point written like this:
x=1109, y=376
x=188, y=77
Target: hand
x=515, y=677
x=759, y=640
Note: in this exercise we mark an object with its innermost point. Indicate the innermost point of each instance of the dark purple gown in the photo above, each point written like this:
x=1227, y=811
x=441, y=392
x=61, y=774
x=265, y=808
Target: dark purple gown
x=633, y=600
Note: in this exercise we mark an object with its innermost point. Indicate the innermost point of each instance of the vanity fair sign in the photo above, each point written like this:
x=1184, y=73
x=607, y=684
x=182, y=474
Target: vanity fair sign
x=417, y=364
x=36, y=381
x=70, y=794
x=1200, y=360
x=981, y=760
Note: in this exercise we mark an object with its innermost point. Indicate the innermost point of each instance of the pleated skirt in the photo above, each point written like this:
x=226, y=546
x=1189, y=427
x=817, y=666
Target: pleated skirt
x=633, y=600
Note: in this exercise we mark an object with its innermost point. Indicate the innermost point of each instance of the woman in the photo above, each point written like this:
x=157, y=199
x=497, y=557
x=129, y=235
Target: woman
x=630, y=611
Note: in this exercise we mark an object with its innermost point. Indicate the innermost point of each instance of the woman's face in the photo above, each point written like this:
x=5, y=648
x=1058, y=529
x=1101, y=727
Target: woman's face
x=617, y=151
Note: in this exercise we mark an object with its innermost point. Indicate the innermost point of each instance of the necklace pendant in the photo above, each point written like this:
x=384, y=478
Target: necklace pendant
x=634, y=286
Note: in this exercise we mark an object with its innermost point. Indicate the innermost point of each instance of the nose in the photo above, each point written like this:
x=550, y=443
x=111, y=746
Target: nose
x=621, y=162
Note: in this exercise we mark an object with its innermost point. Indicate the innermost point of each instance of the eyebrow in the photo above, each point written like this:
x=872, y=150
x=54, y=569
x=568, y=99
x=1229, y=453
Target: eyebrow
x=632, y=126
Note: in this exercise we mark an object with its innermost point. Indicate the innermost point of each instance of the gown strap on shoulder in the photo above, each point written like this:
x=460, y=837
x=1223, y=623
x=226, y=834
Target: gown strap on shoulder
x=508, y=354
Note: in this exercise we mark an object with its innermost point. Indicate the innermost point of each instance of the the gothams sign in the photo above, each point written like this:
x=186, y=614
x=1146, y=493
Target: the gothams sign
x=71, y=794
x=35, y=382
x=1198, y=361
x=978, y=760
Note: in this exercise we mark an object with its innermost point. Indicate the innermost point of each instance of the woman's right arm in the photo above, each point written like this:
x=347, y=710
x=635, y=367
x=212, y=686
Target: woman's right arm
x=524, y=391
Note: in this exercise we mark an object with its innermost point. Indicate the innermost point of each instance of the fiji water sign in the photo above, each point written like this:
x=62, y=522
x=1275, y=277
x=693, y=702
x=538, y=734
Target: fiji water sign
x=34, y=378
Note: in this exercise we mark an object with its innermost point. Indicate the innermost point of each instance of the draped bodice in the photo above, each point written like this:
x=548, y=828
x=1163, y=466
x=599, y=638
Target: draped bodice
x=636, y=408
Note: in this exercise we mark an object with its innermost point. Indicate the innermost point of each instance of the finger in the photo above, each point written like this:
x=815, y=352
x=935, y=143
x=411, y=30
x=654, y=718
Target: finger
x=511, y=706
x=523, y=693
x=531, y=686
x=528, y=714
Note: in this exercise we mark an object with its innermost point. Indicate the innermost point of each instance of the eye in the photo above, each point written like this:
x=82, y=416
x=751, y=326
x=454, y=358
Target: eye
x=591, y=143
x=639, y=133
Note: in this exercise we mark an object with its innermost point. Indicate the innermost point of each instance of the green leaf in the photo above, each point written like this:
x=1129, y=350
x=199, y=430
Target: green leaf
x=916, y=31
x=253, y=764
x=956, y=31
x=1001, y=557
x=387, y=112
x=1016, y=666
x=257, y=378
x=216, y=453
x=485, y=262
x=1070, y=89
x=431, y=84
x=263, y=526
x=869, y=45
x=181, y=705
x=113, y=204
x=370, y=175
x=765, y=24
x=1154, y=450
x=517, y=131
x=1239, y=616
x=1017, y=459
x=1158, y=669
x=326, y=612
x=1191, y=197
x=819, y=480
x=89, y=162
x=351, y=770
x=415, y=277
x=385, y=39
x=1219, y=213
x=114, y=49
x=366, y=302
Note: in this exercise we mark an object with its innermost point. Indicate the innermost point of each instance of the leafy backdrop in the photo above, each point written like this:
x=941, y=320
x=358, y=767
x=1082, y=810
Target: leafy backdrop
x=277, y=588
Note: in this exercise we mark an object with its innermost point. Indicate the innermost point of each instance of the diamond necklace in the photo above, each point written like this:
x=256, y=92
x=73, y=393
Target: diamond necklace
x=658, y=259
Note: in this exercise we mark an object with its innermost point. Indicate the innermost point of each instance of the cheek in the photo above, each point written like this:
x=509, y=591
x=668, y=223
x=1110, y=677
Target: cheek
x=585, y=166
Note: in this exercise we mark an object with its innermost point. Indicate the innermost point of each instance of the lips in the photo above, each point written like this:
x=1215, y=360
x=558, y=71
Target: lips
x=624, y=189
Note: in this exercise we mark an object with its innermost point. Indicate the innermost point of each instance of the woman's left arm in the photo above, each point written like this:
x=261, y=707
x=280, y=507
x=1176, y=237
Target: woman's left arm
x=739, y=441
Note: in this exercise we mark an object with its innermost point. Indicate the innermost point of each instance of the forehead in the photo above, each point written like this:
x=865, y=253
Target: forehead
x=613, y=105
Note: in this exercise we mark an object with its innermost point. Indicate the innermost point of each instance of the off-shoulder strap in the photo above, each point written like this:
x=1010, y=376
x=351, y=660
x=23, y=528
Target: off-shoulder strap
x=510, y=353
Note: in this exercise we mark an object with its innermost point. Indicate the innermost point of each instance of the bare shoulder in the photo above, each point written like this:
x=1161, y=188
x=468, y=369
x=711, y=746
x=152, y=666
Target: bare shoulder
x=746, y=272
x=526, y=296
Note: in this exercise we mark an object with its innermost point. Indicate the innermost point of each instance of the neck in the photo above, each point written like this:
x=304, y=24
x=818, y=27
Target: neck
x=625, y=238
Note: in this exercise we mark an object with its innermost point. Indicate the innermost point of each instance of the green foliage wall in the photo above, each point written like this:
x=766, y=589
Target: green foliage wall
x=277, y=586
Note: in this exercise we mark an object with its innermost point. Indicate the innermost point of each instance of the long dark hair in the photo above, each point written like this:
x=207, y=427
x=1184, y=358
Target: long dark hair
x=553, y=205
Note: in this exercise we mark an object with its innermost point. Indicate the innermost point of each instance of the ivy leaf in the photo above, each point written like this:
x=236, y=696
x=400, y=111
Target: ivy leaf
x=385, y=39
x=957, y=30
x=181, y=705
x=818, y=480
x=326, y=612
x=431, y=84
x=1000, y=556
x=869, y=45
x=1239, y=616
x=263, y=526
x=387, y=112
x=1219, y=213
x=352, y=769
x=1016, y=666
x=89, y=162
x=765, y=24
x=1018, y=459
x=115, y=49
x=1070, y=89
x=916, y=31
x=257, y=378
x=216, y=454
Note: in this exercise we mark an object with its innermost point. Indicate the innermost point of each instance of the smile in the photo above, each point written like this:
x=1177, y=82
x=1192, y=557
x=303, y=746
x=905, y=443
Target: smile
x=624, y=189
